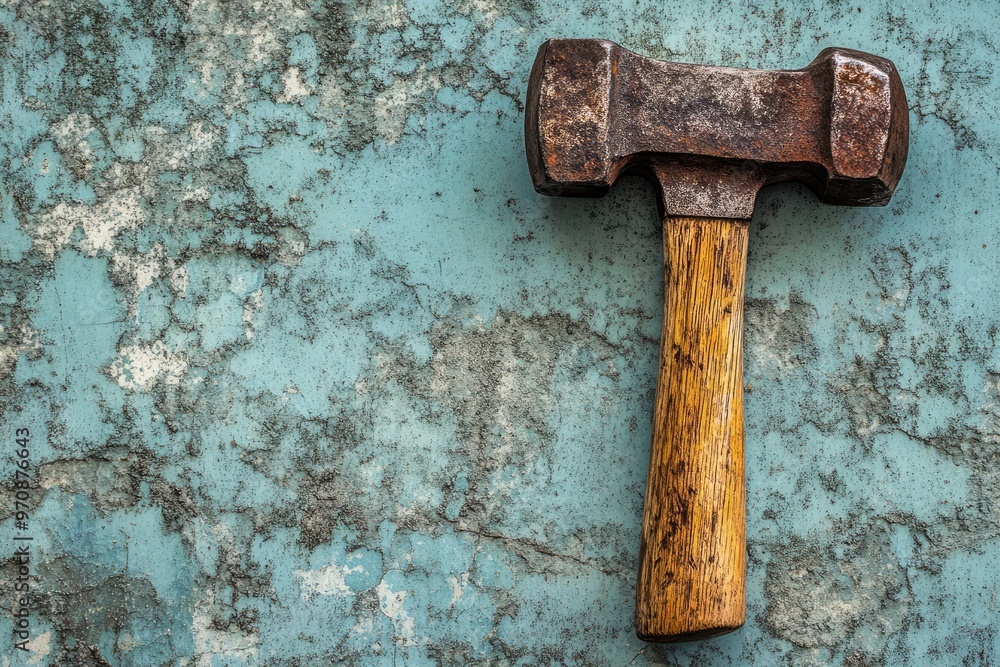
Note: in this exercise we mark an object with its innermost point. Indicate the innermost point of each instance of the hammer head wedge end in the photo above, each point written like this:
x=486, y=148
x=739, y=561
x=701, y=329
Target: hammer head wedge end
x=568, y=117
x=869, y=128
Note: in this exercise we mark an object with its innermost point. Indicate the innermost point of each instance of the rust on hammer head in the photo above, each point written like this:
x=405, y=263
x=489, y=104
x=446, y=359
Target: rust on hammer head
x=712, y=136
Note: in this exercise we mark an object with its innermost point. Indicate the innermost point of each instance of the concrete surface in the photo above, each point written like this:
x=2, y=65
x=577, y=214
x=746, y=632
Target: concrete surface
x=312, y=376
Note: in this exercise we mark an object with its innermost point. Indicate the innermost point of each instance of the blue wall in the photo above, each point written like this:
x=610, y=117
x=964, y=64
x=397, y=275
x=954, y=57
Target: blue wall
x=312, y=376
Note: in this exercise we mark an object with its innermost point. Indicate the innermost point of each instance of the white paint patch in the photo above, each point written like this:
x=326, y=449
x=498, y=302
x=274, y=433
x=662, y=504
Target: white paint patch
x=392, y=108
x=199, y=195
x=291, y=250
x=39, y=647
x=294, y=86
x=142, y=366
x=499, y=486
x=364, y=625
x=771, y=345
x=210, y=643
x=458, y=587
x=207, y=68
x=263, y=42
x=251, y=306
x=70, y=135
x=992, y=389
x=100, y=223
x=27, y=340
x=123, y=175
x=8, y=360
x=72, y=129
x=223, y=536
x=199, y=145
x=387, y=15
x=178, y=279
x=137, y=271
x=391, y=604
x=260, y=30
x=329, y=580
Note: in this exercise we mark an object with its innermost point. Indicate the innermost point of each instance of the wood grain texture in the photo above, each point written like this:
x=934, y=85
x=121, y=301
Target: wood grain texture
x=692, y=560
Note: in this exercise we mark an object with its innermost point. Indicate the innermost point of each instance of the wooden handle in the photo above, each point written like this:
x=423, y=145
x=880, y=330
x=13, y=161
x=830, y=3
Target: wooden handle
x=693, y=556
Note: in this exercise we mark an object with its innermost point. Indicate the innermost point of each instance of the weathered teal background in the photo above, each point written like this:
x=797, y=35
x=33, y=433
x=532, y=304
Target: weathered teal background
x=314, y=377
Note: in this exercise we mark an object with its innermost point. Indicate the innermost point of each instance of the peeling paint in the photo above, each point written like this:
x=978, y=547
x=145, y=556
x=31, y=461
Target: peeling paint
x=141, y=366
x=391, y=603
x=211, y=643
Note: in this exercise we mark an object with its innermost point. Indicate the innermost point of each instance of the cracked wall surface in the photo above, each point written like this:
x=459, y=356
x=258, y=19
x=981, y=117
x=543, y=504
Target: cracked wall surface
x=314, y=377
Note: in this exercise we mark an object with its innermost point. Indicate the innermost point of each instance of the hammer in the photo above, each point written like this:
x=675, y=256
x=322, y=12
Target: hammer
x=710, y=138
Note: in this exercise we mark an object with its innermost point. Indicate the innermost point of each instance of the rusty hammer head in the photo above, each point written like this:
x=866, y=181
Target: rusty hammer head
x=712, y=136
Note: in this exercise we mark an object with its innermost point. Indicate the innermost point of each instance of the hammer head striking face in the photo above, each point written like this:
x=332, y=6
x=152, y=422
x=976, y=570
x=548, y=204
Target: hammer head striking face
x=714, y=134
x=710, y=137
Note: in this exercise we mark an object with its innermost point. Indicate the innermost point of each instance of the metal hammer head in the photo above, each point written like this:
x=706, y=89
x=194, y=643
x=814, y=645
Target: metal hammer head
x=713, y=136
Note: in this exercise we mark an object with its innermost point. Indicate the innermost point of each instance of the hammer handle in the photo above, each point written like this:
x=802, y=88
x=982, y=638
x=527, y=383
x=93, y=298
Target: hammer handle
x=692, y=562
